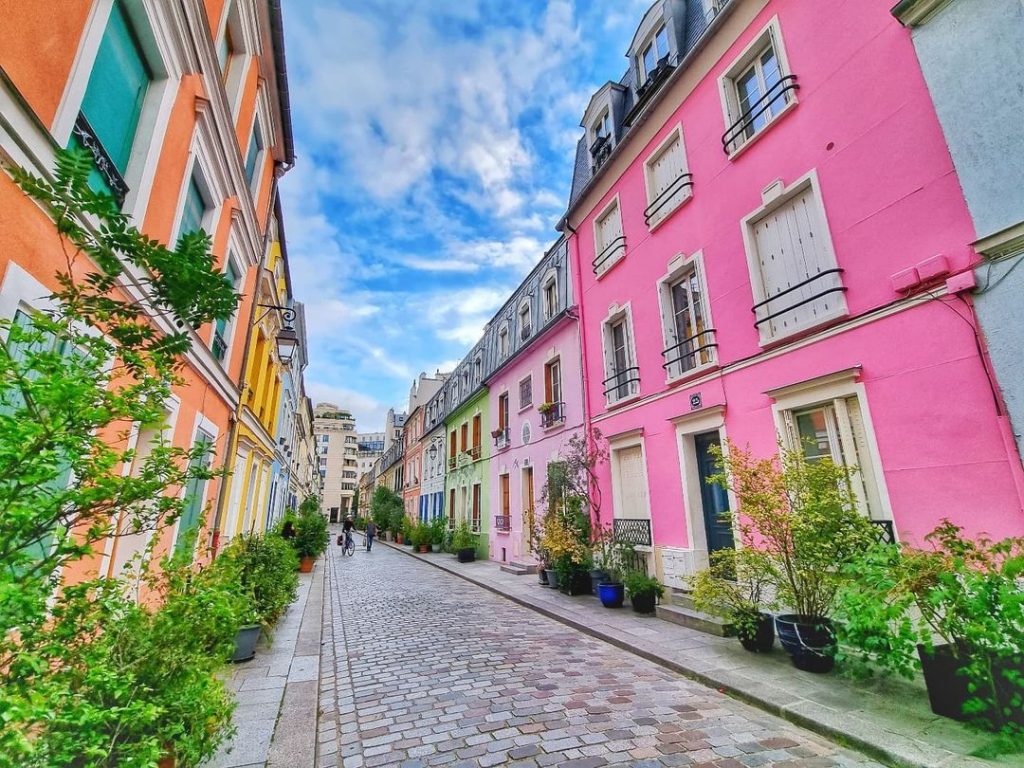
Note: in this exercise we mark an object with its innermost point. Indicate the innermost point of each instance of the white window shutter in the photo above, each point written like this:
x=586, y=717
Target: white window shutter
x=867, y=482
x=633, y=491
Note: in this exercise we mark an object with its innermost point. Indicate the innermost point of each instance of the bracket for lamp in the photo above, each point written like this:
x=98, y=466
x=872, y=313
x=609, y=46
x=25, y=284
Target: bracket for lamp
x=287, y=313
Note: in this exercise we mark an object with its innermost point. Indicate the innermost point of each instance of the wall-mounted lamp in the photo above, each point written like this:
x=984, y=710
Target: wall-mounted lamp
x=287, y=340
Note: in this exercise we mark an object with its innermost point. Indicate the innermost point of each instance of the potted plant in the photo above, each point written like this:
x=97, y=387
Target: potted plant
x=422, y=534
x=311, y=538
x=614, y=555
x=438, y=527
x=464, y=543
x=643, y=590
x=496, y=433
x=803, y=517
x=544, y=408
x=955, y=610
x=568, y=552
x=733, y=588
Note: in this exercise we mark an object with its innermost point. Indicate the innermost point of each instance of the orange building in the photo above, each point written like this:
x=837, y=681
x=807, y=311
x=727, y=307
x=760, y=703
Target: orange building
x=184, y=107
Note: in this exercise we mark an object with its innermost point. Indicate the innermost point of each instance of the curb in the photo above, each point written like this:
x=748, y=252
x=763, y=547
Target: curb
x=843, y=738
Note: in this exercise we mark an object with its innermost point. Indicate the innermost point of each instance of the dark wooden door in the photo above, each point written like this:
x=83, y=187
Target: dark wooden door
x=714, y=498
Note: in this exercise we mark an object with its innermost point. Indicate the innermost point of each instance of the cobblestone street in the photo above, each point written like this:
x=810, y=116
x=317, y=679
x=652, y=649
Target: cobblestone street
x=420, y=668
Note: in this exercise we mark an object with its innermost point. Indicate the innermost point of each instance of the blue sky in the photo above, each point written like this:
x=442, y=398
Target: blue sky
x=434, y=143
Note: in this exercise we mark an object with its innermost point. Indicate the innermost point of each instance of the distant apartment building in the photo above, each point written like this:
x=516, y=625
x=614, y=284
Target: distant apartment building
x=369, y=446
x=337, y=451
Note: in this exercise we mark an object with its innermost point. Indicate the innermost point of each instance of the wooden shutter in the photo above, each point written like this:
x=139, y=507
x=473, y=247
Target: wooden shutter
x=666, y=168
x=195, y=490
x=465, y=436
x=632, y=485
x=453, y=446
x=504, y=495
x=791, y=249
x=610, y=227
x=866, y=483
x=476, y=508
x=547, y=383
x=117, y=88
x=476, y=431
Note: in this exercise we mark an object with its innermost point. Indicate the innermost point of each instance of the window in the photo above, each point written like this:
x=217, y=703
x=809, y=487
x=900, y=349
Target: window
x=550, y=297
x=193, y=213
x=836, y=430
x=451, y=509
x=553, y=394
x=477, y=435
x=623, y=377
x=195, y=490
x=452, y=449
x=254, y=152
x=796, y=282
x=526, y=392
x=503, y=342
x=756, y=89
x=475, y=520
x=653, y=52
x=525, y=328
x=114, y=97
x=711, y=8
x=505, y=505
x=503, y=411
x=669, y=184
x=609, y=242
x=602, y=126
x=689, y=337
x=478, y=370
x=465, y=436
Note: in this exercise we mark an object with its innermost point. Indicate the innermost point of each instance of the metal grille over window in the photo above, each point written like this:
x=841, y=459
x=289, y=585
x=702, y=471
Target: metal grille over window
x=635, y=531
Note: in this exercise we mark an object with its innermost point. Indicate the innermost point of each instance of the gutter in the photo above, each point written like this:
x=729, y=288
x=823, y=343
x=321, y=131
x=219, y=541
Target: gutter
x=654, y=101
x=281, y=70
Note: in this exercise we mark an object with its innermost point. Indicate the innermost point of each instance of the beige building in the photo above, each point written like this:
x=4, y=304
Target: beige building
x=337, y=448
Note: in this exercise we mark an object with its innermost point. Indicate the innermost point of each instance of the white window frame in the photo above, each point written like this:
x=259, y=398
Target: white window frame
x=503, y=342
x=829, y=390
x=519, y=385
x=240, y=17
x=615, y=315
x=683, y=193
x=525, y=311
x=770, y=35
x=651, y=40
x=612, y=207
x=602, y=126
x=774, y=197
x=550, y=281
x=678, y=267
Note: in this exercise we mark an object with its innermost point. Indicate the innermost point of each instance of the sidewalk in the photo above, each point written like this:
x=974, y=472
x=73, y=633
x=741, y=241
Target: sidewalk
x=888, y=719
x=276, y=692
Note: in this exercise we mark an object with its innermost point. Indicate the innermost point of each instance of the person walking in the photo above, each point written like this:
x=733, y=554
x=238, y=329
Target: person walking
x=371, y=532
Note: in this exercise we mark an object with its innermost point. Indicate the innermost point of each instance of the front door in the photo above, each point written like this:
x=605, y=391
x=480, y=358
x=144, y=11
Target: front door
x=714, y=499
x=528, y=514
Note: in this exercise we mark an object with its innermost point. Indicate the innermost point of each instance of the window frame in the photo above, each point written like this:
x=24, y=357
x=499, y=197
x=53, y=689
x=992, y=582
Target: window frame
x=524, y=314
x=651, y=43
x=769, y=36
x=549, y=288
x=616, y=315
x=678, y=268
x=682, y=195
x=618, y=254
x=528, y=380
x=503, y=342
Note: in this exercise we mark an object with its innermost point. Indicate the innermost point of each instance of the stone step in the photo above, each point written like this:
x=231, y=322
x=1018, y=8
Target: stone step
x=691, y=618
x=518, y=568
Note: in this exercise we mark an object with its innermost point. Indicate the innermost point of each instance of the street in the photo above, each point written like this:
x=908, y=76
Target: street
x=431, y=670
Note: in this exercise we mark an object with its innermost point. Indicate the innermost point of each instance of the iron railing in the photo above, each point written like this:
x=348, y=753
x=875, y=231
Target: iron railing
x=87, y=137
x=758, y=321
x=685, y=352
x=632, y=530
x=681, y=183
x=622, y=384
x=502, y=523
x=525, y=331
x=474, y=452
x=737, y=132
x=502, y=440
x=884, y=531
x=451, y=462
x=555, y=414
x=601, y=150
x=648, y=88
x=616, y=245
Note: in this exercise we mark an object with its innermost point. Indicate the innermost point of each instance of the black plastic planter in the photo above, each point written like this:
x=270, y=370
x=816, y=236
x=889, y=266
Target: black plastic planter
x=947, y=683
x=597, y=577
x=643, y=603
x=575, y=583
x=763, y=637
x=809, y=641
x=467, y=555
x=245, y=642
x=612, y=595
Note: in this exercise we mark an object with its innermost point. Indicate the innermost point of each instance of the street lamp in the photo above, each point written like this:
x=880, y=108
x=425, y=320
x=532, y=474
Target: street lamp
x=287, y=340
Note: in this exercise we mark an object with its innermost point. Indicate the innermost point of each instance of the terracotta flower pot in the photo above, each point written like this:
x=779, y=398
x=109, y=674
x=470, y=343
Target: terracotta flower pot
x=423, y=548
x=306, y=564
x=399, y=539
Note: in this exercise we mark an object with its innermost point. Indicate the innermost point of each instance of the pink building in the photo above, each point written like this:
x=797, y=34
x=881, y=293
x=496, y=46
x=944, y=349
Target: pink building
x=535, y=399
x=769, y=243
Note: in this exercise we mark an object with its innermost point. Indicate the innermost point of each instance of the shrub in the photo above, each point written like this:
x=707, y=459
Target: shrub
x=463, y=538
x=311, y=537
x=266, y=572
x=639, y=584
x=438, y=529
x=734, y=587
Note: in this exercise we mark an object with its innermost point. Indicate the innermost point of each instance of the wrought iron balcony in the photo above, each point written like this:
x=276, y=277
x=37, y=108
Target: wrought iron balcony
x=600, y=151
x=555, y=414
x=451, y=462
x=525, y=331
x=501, y=440
x=763, y=313
x=687, y=353
x=737, y=134
x=502, y=523
x=87, y=137
x=646, y=90
x=616, y=245
x=632, y=530
x=474, y=452
x=884, y=531
x=622, y=384
x=681, y=186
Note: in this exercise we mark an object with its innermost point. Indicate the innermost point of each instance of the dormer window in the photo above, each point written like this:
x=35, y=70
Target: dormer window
x=525, y=328
x=602, y=128
x=653, y=52
x=478, y=369
x=503, y=342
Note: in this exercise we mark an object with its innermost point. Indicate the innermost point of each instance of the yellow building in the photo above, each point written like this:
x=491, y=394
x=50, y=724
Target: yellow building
x=255, y=453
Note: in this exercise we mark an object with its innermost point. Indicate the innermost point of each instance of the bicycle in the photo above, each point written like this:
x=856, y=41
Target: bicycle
x=350, y=545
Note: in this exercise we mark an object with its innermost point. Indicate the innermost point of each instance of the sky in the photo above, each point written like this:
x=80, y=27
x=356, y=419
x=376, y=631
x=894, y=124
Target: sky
x=434, y=143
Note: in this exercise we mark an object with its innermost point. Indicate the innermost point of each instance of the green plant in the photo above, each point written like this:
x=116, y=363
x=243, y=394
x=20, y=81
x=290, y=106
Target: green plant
x=639, y=584
x=384, y=502
x=545, y=407
x=734, y=587
x=967, y=593
x=309, y=505
x=438, y=529
x=422, y=535
x=311, y=537
x=802, y=516
x=266, y=573
x=463, y=538
x=72, y=379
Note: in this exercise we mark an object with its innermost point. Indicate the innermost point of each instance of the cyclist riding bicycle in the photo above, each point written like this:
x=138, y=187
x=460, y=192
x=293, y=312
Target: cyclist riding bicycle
x=346, y=528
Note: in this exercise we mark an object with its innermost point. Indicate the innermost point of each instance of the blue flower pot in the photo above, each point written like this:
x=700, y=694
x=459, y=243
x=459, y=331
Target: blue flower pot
x=612, y=595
